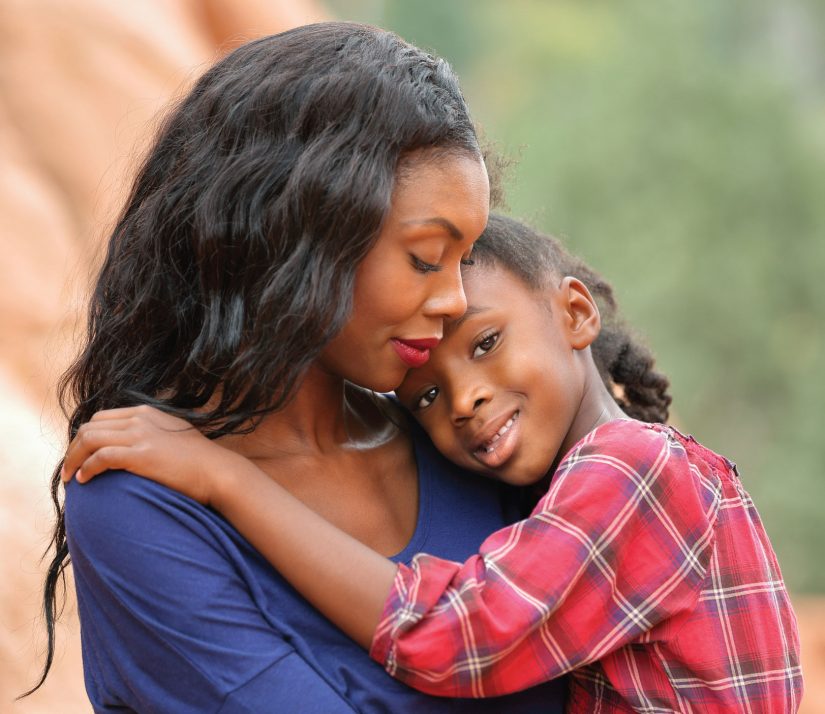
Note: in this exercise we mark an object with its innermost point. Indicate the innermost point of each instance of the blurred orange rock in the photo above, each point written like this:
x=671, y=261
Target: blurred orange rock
x=811, y=614
x=81, y=83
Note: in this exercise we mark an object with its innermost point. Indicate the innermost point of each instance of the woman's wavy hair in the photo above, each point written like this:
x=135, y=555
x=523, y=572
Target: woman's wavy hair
x=624, y=363
x=233, y=261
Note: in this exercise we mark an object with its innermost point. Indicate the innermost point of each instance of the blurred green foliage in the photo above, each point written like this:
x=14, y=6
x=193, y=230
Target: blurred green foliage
x=679, y=147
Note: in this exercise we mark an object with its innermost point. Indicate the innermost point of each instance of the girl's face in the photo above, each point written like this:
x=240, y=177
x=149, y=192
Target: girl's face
x=506, y=390
x=410, y=281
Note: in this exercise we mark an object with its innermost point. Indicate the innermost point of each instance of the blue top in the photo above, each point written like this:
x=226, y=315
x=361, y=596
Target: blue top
x=179, y=613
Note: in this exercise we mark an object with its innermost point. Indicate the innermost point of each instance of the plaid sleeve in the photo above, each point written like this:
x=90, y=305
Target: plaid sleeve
x=621, y=542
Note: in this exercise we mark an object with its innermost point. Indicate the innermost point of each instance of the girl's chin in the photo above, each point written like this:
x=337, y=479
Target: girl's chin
x=521, y=481
x=514, y=475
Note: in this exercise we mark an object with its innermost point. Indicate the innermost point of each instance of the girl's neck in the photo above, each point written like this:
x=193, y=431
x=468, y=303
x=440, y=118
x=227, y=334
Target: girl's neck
x=597, y=407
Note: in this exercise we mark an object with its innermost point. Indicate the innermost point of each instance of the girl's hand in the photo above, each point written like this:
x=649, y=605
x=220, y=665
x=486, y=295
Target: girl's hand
x=147, y=442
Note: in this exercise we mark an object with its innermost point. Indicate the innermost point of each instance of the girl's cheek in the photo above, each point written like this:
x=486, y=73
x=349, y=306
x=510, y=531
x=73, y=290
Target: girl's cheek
x=444, y=443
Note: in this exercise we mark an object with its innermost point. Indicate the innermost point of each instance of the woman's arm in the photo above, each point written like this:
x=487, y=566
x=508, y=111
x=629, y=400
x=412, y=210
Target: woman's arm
x=340, y=576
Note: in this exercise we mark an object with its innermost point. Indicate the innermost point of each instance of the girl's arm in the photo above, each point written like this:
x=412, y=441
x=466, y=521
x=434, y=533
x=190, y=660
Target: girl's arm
x=619, y=545
x=344, y=579
x=597, y=564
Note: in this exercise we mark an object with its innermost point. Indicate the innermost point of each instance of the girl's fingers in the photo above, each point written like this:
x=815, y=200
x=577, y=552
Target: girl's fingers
x=91, y=439
x=109, y=414
x=142, y=414
x=109, y=424
x=123, y=427
x=105, y=458
x=126, y=413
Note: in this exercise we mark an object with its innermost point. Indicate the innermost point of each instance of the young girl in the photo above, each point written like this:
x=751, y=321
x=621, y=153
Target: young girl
x=644, y=570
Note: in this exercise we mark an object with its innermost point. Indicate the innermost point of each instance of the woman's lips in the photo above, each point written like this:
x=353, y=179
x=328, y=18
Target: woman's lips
x=414, y=353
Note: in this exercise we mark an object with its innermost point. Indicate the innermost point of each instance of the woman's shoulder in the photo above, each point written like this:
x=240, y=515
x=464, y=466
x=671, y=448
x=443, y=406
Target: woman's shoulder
x=122, y=508
x=120, y=492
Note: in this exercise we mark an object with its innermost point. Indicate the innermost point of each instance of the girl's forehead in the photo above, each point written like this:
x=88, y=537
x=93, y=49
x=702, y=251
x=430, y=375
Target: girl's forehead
x=484, y=281
x=490, y=287
x=473, y=276
x=485, y=286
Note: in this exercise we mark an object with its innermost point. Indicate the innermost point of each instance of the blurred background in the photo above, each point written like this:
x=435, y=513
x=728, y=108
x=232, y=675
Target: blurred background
x=679, y=147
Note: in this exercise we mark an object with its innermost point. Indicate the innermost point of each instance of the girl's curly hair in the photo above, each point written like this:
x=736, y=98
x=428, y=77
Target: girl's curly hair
x=626, y=365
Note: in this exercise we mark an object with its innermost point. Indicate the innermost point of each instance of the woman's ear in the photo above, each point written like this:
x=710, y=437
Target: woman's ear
x=581, y=313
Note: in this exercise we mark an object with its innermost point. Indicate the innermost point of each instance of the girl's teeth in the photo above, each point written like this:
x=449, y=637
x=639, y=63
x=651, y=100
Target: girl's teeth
x=501, y=432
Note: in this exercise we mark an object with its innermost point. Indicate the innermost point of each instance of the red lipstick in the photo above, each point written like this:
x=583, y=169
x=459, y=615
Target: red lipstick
x=414, y=353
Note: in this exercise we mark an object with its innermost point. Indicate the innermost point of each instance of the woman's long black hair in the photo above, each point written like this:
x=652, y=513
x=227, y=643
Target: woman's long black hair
x=624, y=363
x=233, y=262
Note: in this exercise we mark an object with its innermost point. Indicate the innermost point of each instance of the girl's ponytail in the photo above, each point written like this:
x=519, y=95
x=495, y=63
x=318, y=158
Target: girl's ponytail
x=639, y=389
x=625, y=364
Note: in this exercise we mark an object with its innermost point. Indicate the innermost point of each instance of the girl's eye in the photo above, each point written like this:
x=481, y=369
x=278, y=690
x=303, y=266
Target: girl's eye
x=427, y=398
x=423, y=266
x=485, y=344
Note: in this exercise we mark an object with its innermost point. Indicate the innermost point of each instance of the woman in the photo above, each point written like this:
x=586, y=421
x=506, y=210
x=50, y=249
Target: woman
x=292, y=245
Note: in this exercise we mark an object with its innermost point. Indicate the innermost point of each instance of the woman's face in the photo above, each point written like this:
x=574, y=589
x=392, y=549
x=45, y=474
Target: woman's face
x=410, y=281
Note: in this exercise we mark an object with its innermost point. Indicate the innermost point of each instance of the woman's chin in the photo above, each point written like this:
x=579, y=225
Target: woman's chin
x=383, y=380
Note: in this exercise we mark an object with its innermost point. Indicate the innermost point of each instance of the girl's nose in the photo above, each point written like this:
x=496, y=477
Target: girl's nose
x=465, y=404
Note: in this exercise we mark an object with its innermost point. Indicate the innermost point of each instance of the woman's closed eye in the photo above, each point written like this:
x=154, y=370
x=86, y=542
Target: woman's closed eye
x=422, y=266
x=484, y=344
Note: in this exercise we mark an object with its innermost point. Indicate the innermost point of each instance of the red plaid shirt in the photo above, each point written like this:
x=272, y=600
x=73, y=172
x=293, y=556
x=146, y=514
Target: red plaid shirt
x=645, y=572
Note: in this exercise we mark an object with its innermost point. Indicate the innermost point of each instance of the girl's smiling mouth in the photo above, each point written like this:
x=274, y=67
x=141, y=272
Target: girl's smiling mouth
x=498, y=444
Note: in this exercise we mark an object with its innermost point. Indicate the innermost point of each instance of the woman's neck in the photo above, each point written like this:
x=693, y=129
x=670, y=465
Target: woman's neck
x=325, y=415
x=336, y=450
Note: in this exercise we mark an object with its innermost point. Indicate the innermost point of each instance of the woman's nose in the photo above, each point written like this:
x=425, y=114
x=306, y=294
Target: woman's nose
x=447, y=300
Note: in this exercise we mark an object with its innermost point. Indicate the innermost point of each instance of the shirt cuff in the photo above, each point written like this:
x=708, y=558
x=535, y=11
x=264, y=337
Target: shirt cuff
x=383, y=644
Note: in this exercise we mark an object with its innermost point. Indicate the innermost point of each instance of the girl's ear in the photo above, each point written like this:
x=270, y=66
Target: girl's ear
x=581, y=314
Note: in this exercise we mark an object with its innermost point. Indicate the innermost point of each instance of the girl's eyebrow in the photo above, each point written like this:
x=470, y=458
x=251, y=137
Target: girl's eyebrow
x=447, y=225
x=472, y=311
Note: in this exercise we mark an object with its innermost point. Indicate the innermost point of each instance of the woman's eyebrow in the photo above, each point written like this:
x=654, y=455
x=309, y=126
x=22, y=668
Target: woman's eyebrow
x=447, y=225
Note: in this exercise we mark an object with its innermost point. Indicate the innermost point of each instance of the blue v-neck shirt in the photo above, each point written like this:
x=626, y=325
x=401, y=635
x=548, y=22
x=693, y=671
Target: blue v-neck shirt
x=179, y=613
